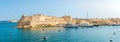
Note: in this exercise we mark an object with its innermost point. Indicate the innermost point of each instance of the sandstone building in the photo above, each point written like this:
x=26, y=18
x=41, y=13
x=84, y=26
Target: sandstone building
x=45, y=20
x=42, y=20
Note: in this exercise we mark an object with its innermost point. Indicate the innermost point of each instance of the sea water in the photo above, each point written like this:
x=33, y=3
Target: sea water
x=58, y=34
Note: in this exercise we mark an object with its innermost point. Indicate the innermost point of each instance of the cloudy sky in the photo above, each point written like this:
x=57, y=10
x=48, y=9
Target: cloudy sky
x=13, y=9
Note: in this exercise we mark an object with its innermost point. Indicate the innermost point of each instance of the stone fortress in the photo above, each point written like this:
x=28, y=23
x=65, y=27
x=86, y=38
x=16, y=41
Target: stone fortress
x=45, y=20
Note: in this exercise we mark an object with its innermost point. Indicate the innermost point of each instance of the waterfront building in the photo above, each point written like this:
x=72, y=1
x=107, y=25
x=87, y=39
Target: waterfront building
x=45, y=20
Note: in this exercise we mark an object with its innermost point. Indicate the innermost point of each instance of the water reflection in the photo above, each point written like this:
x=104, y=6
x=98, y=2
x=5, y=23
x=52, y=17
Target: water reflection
x=38, y=33
x=64, y=34
x=55, y=34
x=25, y=34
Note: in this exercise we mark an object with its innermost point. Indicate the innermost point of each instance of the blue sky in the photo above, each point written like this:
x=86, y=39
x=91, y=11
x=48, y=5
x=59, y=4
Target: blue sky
x=13, y=9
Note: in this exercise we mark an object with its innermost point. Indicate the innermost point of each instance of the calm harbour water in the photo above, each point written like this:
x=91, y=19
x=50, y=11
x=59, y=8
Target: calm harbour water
x=93, y=34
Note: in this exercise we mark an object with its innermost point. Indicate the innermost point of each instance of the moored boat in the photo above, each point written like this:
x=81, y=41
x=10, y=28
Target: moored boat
x=86, y=25
x=68, y=25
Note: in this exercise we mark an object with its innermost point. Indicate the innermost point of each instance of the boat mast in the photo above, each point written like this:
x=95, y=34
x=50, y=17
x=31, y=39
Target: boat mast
x=87, y=15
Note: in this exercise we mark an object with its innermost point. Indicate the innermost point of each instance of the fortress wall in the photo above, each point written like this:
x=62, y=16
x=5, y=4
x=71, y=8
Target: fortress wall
x=52, y=20
x=25, y=20
x=53, y=23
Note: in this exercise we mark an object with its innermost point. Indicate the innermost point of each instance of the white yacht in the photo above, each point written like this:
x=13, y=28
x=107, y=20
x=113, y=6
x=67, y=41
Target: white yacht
x=85, y=25
x=68, y=25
